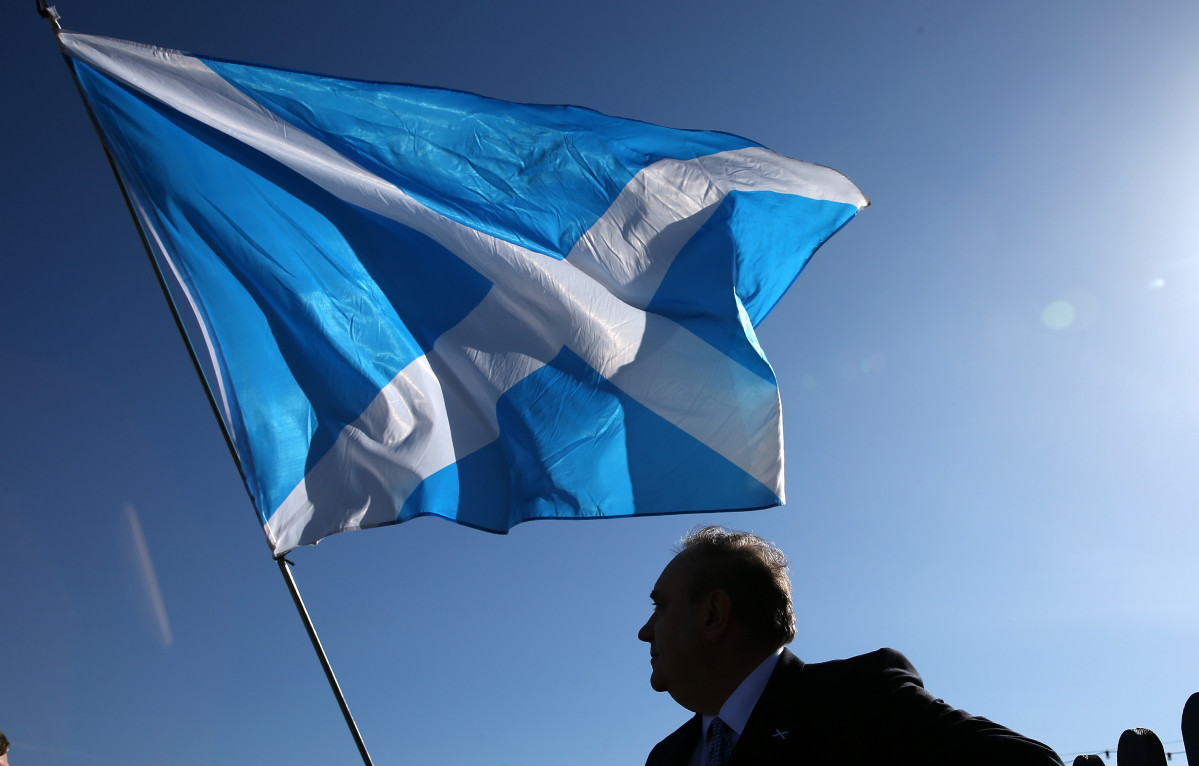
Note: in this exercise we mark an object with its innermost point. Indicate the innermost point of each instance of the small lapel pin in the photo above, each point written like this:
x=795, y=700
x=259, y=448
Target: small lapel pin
x=780, y=734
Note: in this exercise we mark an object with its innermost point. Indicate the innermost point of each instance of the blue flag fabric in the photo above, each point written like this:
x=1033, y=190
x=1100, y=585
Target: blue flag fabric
x=426, y=302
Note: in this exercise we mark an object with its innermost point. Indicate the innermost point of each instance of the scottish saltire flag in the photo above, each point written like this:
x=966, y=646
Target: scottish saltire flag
x=426, y=302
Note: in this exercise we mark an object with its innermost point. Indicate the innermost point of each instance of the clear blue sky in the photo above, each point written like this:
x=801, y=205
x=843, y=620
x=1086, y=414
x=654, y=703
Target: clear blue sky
x=988, y=380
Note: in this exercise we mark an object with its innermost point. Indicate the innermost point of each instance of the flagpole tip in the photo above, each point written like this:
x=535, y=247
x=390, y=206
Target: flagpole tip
x=49, y=12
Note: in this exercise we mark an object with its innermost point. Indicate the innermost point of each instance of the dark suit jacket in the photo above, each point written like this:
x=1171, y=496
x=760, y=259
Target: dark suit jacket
x=870, y=710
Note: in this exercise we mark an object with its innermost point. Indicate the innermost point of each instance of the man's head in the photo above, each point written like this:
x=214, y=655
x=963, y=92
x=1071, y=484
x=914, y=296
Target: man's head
x=753, y=572
x=3, y=749
x=720, y=607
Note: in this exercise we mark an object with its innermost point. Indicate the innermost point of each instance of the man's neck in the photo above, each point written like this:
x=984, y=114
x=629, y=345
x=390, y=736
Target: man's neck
x=729, y=675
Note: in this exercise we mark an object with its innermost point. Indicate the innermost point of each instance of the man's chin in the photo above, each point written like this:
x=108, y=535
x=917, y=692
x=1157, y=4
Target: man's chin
x=657, y=683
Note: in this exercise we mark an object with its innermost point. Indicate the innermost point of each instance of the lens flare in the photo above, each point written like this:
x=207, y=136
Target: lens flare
x=1058, y=315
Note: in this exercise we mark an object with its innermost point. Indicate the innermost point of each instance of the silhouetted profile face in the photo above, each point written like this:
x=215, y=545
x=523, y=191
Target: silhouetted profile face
x=674, y=632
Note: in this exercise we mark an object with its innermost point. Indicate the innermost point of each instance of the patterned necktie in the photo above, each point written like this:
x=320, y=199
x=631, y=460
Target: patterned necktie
x=719, y=744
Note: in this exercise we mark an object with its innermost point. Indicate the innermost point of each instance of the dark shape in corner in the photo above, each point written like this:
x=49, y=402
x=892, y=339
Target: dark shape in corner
x=1140, y=747
x=1190, y=728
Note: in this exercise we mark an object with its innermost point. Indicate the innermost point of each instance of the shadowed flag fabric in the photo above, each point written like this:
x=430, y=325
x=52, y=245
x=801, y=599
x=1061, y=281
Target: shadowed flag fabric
x=426, y=302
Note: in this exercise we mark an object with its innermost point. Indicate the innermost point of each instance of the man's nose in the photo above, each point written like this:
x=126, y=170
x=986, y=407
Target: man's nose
x=646, y=633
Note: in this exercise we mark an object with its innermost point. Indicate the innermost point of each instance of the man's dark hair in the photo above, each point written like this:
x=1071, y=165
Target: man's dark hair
x=754, y=574
x=3, y=743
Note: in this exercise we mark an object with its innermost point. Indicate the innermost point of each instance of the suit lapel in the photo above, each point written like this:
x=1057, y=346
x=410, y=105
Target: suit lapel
x=772, y=733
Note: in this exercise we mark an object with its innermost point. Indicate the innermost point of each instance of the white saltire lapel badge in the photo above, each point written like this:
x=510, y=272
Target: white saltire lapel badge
x=780, y=734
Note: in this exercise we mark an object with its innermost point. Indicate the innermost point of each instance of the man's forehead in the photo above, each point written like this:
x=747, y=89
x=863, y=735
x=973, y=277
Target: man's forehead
x=673, y=576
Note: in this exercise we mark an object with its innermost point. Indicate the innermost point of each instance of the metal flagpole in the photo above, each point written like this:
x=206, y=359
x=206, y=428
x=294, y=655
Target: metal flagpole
x=51, y=14
x=320, y=652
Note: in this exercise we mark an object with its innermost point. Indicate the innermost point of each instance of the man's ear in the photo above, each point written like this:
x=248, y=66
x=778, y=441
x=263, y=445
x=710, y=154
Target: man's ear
x=717, y=613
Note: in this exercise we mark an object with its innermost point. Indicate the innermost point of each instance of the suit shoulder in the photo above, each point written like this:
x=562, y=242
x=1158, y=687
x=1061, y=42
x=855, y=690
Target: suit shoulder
x=867, y=676
x=879, y=660
x=894, y=661
x=890, y=658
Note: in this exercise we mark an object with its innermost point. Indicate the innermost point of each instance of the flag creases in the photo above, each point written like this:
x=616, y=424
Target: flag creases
x=389, y=341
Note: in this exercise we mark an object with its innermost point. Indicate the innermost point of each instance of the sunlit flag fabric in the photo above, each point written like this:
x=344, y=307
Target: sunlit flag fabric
x=420, y=301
